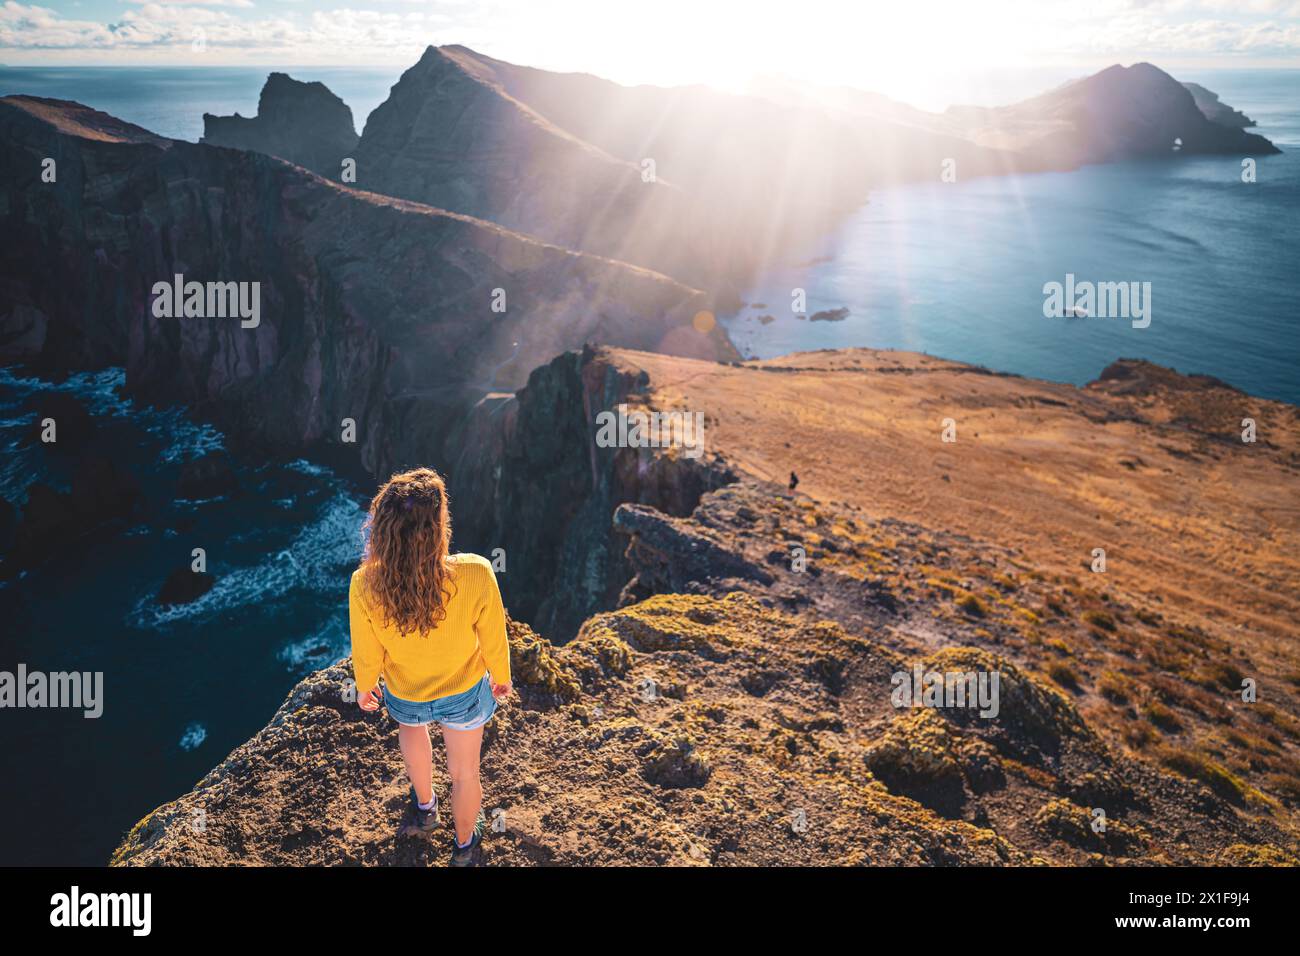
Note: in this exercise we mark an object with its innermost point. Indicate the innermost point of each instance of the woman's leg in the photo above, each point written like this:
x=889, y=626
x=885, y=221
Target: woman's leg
x=463, y=747
x=417, y=751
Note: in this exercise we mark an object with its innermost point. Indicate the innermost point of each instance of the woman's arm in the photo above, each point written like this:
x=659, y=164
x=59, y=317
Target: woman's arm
x=490, y=626
x=367, y=652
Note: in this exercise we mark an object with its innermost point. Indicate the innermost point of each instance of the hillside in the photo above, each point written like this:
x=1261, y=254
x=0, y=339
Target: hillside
x=723, y=697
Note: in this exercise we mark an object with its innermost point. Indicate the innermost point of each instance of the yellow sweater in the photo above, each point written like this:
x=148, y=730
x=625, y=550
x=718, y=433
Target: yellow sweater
x=447, y=660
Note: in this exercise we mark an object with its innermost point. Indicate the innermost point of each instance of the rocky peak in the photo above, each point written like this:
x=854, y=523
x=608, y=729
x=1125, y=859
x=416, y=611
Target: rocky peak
x=304, y=123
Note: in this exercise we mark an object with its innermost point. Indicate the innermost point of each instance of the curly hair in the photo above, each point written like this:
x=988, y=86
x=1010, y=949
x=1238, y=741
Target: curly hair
x=405, y=561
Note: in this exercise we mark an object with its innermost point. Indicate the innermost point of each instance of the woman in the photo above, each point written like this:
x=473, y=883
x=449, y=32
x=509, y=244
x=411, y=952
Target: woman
x=432, y=624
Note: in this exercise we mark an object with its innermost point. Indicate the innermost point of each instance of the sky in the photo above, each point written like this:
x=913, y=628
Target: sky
x=902, y=48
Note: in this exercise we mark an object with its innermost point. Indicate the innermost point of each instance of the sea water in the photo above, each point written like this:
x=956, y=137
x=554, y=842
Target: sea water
x=958, y=269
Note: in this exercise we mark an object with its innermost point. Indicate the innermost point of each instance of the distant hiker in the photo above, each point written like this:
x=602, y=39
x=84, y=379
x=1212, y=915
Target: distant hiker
x=794, y=481
x=432, y=624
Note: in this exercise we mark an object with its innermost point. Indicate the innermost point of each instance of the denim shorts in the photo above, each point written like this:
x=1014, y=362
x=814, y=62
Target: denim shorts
x=468, y=710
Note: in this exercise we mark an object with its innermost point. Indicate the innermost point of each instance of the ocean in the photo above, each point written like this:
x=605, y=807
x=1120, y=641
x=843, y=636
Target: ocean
x=183, y=684
x=956, y=270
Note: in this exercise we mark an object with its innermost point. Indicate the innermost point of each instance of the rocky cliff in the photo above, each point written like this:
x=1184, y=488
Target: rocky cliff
x=304, y=123
x=732, y=702
x=390, y=314
x=450, y=136
x=530, y=478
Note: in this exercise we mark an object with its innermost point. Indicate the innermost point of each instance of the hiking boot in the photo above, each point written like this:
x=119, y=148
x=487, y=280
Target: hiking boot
x=422, y=822
x=471, y=855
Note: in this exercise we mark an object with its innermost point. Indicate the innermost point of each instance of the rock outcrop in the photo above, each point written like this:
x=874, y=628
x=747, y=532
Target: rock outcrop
x=304, y=123
x=390, y=315
x=530, y=479
x=102, y=493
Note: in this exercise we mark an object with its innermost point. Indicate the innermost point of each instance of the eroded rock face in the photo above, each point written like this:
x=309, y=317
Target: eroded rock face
x=531, y=480
x=371, y=310
x=304, y=123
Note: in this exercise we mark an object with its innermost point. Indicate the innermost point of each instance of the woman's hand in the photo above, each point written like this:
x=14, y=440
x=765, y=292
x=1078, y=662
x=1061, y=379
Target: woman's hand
x=501, y=691
x=369, y=701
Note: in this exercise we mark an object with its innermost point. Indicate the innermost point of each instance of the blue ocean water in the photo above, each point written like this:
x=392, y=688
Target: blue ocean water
x=182, y=684
x=957, y=270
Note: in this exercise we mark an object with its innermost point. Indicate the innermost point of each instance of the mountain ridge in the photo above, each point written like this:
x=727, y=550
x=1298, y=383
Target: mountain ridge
x=667, y=177
x=362, y=294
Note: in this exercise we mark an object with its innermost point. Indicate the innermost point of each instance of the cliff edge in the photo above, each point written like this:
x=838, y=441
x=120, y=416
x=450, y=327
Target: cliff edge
x=733, y=701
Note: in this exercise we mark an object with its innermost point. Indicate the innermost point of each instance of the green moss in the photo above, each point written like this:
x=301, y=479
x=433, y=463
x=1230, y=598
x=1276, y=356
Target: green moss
x=1073, y=824
x=1244, y=854
x=1197, y=767
x=533, y=662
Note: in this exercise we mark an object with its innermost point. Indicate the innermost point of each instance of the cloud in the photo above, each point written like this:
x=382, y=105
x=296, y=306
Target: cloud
x=622, y=40
x=202, y=3
x=159, y=26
